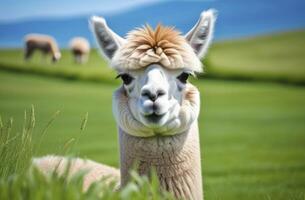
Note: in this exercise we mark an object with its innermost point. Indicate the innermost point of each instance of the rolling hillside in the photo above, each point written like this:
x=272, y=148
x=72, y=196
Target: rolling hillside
x=279, y=57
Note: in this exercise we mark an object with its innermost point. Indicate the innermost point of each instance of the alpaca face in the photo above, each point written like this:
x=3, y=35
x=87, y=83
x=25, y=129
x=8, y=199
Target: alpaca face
x=154, y=66
x=155, y=94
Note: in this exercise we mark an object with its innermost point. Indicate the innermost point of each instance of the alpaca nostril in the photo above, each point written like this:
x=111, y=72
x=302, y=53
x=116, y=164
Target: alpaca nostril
x=152, y=96
x=145, y=93
x=160, y=93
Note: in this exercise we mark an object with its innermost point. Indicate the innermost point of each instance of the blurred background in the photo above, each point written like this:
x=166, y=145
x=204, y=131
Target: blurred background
x=252, y=120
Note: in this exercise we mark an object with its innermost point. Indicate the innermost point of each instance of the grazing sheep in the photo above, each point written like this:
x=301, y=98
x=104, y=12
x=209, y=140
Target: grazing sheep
x=80, y=49
x=156, y=108
x=44, y=43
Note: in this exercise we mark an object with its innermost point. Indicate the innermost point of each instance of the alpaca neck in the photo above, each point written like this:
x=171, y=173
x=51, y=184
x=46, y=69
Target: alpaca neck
x=176, y=160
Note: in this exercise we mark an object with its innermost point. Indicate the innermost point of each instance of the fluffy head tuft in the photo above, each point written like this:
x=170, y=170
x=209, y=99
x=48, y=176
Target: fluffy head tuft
x=162, y=45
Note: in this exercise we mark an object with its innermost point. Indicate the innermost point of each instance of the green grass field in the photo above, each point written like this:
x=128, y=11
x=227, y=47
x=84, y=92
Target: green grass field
x=252, y=134
x=95, y=70
x=278, y=57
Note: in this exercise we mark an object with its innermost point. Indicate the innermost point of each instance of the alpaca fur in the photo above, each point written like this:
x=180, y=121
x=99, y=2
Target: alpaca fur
x=44, y=43
x=80, y=49
x=154, y=60
x=176, y=158
x=164, y=45
x=95, y=171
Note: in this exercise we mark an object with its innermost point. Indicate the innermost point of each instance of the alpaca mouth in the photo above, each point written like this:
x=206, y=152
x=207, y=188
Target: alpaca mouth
x=154, y=118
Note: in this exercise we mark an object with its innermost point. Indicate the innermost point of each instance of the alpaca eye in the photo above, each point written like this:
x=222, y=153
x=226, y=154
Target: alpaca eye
x=183, y=77
x=126, y=78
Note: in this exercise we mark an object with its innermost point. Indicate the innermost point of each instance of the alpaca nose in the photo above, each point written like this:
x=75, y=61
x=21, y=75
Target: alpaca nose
x=153, y=96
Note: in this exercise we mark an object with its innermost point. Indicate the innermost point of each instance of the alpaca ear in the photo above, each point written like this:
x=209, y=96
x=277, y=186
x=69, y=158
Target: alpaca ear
x=200, y=36
x=107, y=40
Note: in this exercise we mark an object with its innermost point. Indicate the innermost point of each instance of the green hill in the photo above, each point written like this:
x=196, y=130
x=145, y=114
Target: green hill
x=279, y=57
x=95, y=69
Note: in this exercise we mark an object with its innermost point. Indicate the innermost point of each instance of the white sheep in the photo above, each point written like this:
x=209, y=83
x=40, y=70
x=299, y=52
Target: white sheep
x=80, y=49
x=43, y=43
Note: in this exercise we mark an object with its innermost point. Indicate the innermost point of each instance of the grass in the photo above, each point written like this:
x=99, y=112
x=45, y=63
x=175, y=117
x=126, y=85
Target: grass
x=95, y=70
x=278, y=57
x=252, y=134
x=35, y=186
x=16, y=149
x=20, y=180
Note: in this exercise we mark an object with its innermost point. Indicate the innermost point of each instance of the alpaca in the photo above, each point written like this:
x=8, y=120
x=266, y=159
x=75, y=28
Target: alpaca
x=44, y=43
x=95, y=171
x=156, y=108
x=80, y=49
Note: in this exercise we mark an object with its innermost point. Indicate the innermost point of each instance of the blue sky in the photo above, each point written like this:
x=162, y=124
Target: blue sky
x=19, y=9
x=235, y=19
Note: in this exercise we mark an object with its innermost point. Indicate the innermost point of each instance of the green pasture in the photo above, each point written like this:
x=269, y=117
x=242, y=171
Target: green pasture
x=95, y=70
x=278, y=57
x=252, y=134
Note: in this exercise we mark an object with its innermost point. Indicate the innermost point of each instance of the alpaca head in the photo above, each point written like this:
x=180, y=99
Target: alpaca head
x=154, y=65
